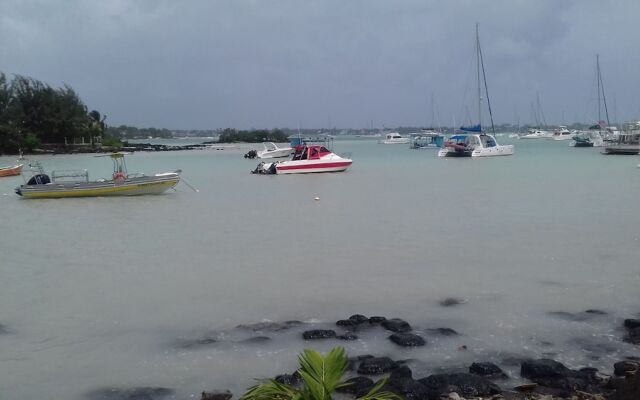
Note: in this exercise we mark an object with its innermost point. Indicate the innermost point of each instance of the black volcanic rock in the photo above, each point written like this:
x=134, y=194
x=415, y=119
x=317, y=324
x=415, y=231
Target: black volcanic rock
x=347, y=336
x=359, y=318
x=487, y=369
x=289, y=379
x=462, y=383
x=376, y=366
x=407, y=340
x=552, y=374
x=401, y=382
x=622, y=368
x=318, y=334
x=376, y=320
x=396, y=325
x=451, y=301
x=442, y=331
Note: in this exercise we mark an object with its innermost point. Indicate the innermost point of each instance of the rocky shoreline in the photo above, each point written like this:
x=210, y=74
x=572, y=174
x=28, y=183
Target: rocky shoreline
x=55, y=149
x=539, y=378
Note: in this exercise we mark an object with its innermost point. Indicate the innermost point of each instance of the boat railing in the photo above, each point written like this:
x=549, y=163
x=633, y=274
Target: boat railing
x=345, y=155
x=69, y=175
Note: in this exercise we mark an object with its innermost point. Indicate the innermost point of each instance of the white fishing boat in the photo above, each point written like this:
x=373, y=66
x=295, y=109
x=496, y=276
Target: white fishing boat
x=271, y=150
x=306, y=159
x=395, y=138
x=475, y=142
x=76, y=183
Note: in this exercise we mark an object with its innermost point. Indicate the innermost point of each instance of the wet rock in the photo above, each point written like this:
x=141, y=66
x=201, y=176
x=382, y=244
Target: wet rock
x=289, y=379
x=376, y=366
x=396, y=325
x=138, y=393
x=376, y=320
x=627, y=388
x=270, y=326
x=443, y=331
x=318, y=334
x=346, y=323
x=487, y=369
x=451, y=301
x=216, y=395
x=347, y=336
x=632, y=323
x=465, y=384
x=622, y=368
x=633, y=331
x=552, y=374
x=543, y=368
x=358, y=386
x=401, y=382
x=358, y=318
x=407, y=340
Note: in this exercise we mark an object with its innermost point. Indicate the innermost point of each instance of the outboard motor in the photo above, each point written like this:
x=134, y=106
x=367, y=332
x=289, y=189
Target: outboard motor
x=251, y=154
x=39, y=179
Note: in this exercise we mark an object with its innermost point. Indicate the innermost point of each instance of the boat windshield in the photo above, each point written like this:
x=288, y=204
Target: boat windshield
x=487, y=141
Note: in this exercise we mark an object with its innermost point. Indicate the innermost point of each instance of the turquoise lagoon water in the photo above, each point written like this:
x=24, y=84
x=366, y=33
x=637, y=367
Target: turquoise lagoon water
x=96, y=292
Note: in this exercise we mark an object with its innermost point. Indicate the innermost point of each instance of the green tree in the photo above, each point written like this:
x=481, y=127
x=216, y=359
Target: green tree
x=321, y=377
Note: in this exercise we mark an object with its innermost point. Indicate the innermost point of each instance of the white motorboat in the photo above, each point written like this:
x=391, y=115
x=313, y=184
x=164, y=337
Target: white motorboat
x=395, y=138
x=271, y=150
x=535, y=133
x=562, y=133
x=306, y=159
x=474, y=145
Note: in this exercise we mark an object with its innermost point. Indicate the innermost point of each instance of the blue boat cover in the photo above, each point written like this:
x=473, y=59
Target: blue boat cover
x=474, y=128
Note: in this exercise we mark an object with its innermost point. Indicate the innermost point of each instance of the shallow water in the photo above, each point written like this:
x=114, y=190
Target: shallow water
x=97, y=292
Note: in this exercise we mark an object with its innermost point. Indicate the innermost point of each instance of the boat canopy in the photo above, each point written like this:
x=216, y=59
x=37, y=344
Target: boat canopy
x=309, y=152
x=474, y=128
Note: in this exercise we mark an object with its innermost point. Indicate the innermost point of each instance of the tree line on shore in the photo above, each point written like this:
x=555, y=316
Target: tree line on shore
x=252, y=136
x=32, y=112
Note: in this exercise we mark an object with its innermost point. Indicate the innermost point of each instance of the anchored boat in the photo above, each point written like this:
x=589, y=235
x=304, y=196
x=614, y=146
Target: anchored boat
x=76, y=183
x=306, y=159
x=475, y=142
x=11, y=171
x=271, y=150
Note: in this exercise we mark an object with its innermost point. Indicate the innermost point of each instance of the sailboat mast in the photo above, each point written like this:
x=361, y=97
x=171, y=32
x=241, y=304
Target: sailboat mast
x=598, y=78
x=478, y=68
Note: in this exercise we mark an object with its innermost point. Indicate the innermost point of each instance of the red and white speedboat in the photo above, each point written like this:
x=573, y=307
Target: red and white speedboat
x=305, y=160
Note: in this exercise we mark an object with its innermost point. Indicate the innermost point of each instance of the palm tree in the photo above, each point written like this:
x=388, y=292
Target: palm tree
x=321, y=377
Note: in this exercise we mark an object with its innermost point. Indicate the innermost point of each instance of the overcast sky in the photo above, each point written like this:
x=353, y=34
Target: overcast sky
x=200, y=64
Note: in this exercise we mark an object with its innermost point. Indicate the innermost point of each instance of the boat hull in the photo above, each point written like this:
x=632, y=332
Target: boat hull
x=630, y=150
x=131, y=187
x=305, y=167
x=11, y=171
x=275, y=154
x=499, y=150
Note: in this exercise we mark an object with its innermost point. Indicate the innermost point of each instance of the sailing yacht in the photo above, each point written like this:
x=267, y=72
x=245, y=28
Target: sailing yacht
x=475, y=142
x=601, y=132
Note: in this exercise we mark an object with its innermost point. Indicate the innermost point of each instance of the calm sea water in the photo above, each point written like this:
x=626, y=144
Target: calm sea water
x=97, y=292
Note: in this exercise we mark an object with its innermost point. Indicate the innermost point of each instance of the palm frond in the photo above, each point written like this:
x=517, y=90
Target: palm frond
x=271, y=390
x=322, y=375
x=376, y=394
